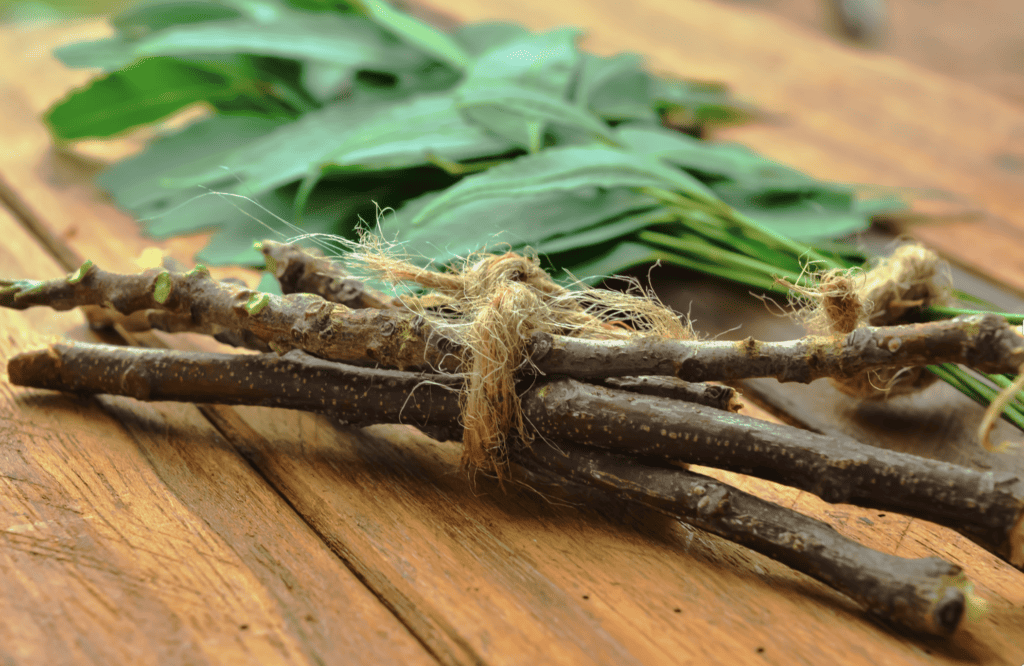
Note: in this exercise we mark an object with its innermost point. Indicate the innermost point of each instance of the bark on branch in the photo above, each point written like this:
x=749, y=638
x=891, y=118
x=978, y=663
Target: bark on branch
x=986, y=507
x=921, y=595
x=984, y=342
x=401, y=339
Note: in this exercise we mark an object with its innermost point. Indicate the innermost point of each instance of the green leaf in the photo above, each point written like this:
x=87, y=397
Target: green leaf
x=544, y=62
x=148, y=91
x=477, y=38
x=561, y=169
x=109, y=54
x=709, y=161
x=517, y=113
x=338, y=39
x=513, y=221
x=286, y=154
x=807, y=221
x=704, y=103
x=136, y=181
x=582, y=238
x=614, y=260
x=409, y=133
x=416, y=33
x=152, y=16
x=616, y=88
x=325, y=80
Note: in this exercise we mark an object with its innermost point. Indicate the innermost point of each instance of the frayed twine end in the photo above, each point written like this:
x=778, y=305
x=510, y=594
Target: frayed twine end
x=844, y=300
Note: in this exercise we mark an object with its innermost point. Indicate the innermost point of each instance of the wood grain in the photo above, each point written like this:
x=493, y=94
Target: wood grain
x=122, y=543
x=475, y=575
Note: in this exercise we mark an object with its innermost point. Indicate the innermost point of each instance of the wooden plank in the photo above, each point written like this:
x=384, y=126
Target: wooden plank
x=122, y=543
x=482, y=577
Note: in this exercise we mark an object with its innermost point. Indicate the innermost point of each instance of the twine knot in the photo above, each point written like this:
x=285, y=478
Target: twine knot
x=843, y=300
x=492, y=304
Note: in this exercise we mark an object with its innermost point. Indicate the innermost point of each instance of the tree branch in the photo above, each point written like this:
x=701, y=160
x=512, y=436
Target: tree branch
x=923, y=595
x=401, y=339
x=395, y=338
x=299, y=271
x=986, y=507
x=983, y=342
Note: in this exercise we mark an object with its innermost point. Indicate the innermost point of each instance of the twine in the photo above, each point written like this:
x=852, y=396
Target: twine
x=843, y=300
x=491, y=305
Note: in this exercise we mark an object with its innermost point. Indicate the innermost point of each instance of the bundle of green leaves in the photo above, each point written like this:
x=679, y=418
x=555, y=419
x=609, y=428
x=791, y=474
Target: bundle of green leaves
x=489, y=137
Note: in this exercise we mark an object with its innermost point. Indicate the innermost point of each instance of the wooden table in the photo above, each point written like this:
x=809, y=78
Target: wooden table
x=172, y=534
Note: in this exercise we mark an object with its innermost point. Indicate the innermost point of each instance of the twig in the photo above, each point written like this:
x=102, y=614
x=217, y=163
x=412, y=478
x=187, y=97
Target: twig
x=986, y=507
x=401, y=339
x=299, y=271
x=395, y=338
x=922, y=594
x=711, y=395
x=979, y=341
x=296, y=380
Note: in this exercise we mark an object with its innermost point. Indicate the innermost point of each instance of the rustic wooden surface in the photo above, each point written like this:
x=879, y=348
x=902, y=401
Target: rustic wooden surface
x=172, y=534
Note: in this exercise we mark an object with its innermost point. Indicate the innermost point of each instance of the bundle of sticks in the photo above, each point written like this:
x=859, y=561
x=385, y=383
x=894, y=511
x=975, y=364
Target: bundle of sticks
x=620, y=415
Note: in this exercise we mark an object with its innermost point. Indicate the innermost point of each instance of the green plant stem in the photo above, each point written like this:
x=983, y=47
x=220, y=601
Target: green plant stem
x=743, y=225
x=935, y=312
x=979, y=391
x=744, y=269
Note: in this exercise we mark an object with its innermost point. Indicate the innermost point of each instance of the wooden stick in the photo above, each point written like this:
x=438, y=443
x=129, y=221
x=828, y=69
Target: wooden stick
x=404, y=340
x=986, y=507
x=921, y=595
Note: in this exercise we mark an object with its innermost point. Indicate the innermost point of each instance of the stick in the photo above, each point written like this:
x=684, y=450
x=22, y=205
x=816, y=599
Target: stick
x=923, y=595
x=357, y=396
x=711, y=395
x=396, y=338
x=988, y=508
x=403, y=340
x=978, y=341
x=299, y=271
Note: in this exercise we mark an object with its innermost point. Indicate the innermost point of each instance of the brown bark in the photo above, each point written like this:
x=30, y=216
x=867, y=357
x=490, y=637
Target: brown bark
x=299, y=271
x=986, y=507
x=983, y=342
x=395, y=338
x=401, y=339
x=923, y=595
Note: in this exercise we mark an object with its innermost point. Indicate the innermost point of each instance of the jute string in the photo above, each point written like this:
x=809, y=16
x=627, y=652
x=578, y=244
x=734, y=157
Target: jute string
x=843, y=300
x=491, y=305
x=912, y=277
